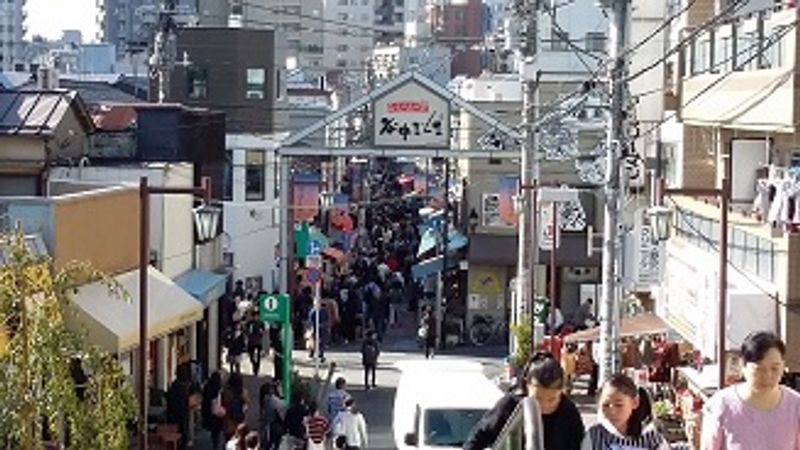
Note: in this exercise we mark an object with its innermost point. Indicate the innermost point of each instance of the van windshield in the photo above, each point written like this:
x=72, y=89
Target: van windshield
x=449, y=427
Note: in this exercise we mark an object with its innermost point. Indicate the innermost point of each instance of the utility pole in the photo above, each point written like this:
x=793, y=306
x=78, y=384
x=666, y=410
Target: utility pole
x=616, y=144
x=528, y=255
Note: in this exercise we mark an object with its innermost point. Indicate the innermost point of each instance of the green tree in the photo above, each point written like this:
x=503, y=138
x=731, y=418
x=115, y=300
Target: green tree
x=39, y=398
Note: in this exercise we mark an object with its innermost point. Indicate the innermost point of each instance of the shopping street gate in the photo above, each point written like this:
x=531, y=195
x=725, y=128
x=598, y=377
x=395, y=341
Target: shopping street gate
x=408, y=116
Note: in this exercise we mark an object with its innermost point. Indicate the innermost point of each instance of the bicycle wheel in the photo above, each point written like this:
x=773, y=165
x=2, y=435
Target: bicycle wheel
x=480, y=333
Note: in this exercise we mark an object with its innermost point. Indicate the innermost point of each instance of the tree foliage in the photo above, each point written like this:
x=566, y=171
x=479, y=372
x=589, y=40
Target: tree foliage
x=39, y=397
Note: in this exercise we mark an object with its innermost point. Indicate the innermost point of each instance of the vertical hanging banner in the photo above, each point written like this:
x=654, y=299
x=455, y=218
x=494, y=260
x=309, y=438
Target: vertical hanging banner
x=411, y=116
x=305, y=201
x=356, y=182
x=339, y=215
x=547, y=234
x=507, y=188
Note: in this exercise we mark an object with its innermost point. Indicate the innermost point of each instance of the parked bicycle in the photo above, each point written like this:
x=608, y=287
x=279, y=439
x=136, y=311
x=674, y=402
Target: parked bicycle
x=485, y=328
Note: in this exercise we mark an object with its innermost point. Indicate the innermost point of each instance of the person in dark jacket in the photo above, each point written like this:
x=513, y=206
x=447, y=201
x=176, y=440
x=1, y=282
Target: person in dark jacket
x=178, y=403
x=213, y=417
x=370, y=350
x=543, y=380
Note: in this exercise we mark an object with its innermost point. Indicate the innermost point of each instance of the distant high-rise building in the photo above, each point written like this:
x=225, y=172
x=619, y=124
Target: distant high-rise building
x=12, y=29
x=350, y=35
x=127, y=24
x=390, y=20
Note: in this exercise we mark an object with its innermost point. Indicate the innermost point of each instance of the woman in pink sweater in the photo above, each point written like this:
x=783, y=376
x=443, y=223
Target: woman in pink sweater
x=758, y=413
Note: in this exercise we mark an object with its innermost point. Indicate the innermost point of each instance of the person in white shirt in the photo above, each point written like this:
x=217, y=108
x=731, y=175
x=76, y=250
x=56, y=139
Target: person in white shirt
x=351, y=424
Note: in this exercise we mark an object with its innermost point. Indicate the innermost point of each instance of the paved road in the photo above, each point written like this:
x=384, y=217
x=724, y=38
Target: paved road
x=377, y=405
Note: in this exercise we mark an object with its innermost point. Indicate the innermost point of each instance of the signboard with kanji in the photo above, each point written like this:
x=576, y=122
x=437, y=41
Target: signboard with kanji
x=412, y=116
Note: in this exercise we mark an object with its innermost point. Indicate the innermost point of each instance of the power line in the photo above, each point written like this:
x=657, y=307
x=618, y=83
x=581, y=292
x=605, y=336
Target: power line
x=776, y=37
x=730, y=9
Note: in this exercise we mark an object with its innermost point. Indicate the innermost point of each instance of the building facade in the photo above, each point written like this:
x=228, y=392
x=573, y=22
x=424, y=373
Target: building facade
x=349, y=36
x=240, y=76
x=12, y=30
x=734, y=87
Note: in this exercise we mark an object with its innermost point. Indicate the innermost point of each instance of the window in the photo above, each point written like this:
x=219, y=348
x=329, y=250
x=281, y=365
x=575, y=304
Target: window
x=197, y=82
x=342, y=2
x=702, y=54
x=343, y=16
x=227, y=177
x=342, y=48
x=256, y=80
x=341, y=63
x=254, y=175
x=595, y=42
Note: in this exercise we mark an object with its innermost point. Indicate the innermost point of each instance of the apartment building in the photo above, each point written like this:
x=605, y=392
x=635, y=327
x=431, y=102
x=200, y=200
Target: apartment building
x=350, y=35
x=12, y=29
x=735, y=93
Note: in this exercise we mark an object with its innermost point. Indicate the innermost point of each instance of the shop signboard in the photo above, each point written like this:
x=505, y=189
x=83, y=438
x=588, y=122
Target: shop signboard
x=411, y=116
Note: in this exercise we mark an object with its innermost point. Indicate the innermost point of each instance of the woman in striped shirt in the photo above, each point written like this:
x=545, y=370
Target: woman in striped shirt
x=623, y=425
x=316, y=428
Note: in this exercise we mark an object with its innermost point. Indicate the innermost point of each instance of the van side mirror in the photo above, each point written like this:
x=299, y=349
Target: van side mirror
x=411, y=439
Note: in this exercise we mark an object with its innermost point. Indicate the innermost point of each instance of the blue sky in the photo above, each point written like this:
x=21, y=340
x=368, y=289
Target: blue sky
x=49, y=17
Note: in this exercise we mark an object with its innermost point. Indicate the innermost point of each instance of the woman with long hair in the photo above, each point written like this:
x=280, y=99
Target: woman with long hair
x=625, y=419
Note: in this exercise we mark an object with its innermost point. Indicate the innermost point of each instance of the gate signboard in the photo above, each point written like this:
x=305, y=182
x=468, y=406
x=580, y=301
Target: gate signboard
x=412, y=116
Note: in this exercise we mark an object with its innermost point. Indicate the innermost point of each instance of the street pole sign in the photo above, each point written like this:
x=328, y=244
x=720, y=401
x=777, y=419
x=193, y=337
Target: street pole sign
x=276, y=310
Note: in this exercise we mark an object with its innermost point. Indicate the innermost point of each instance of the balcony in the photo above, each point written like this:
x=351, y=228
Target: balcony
x=741, y=75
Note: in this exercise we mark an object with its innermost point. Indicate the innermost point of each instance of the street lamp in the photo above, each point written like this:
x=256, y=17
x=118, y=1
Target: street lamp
x=660, y=221
x=326, y=200
x=206, y=221
x=145, y=191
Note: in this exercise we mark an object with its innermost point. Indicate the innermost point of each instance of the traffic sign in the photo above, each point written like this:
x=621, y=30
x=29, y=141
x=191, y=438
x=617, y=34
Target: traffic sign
x=314, y=247
x=313, y=276
x=273, y=308
x=313, y=262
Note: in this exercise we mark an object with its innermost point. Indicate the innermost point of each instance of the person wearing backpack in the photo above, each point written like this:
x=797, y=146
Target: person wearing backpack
x=370, y=350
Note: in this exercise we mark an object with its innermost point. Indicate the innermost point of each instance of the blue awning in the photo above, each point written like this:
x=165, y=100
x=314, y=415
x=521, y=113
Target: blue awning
x=427, y=268
x=203, y=285
x=432, y=266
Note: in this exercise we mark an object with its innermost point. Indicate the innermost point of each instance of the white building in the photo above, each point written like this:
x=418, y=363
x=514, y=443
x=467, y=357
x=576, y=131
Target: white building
x=12, y=29
x=251, y=211
x=349, y=34
x=432, y=61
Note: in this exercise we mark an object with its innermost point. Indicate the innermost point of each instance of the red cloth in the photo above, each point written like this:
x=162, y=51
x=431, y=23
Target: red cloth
x=317, y=428
x=393, y=264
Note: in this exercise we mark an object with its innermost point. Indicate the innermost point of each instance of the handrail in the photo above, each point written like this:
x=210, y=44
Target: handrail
x=512, y=436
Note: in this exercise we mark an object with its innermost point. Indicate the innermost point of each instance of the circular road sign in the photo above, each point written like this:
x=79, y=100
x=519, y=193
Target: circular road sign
x=313, y=276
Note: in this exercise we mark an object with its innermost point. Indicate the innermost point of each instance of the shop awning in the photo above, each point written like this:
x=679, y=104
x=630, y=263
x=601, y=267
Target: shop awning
x=640, y=325
x=203, y=285
x=432, y=267
x=113, y=322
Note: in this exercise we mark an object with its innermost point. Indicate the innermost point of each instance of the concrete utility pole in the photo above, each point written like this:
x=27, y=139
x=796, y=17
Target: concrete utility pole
x=616, y=143
x=527, y=12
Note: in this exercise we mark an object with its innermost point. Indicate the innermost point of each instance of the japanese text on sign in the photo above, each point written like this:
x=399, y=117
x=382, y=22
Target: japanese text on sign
x=411, y=116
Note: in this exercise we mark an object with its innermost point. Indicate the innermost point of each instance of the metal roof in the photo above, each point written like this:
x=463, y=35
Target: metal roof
x=38, y=113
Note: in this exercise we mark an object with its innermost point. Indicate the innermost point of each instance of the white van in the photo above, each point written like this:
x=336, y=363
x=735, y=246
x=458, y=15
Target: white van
x=437, y=403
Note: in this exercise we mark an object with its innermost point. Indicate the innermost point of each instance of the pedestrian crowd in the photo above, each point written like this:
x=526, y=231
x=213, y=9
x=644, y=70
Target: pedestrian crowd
x=757, y=413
